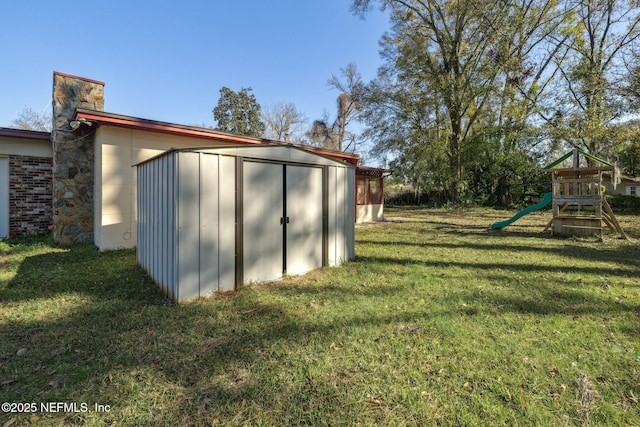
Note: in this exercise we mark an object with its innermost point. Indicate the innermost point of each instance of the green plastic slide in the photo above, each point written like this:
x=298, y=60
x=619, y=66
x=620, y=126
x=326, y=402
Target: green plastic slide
x=544, y=202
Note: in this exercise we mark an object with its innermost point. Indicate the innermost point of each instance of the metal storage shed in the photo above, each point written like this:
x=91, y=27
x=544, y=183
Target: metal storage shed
x=210, y=220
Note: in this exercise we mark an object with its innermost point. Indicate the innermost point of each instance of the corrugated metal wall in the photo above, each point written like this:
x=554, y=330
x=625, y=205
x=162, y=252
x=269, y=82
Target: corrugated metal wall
x=187, y=218
x=350, y=201
x=156, y=237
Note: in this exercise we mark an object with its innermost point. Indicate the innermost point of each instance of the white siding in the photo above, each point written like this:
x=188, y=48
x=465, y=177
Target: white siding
x=369, y=213
x=25, y=147
x=116, y=151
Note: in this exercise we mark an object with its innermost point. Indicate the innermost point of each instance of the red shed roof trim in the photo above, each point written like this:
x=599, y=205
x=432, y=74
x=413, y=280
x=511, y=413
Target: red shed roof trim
x=194, y=132
x=346, y=157
x=27, y=134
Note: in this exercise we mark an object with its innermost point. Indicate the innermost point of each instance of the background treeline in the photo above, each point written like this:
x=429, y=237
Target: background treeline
x=475, y=96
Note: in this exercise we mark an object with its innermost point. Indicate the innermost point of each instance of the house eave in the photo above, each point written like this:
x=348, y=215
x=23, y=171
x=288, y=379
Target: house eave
x=26, y=134
x=137, y=123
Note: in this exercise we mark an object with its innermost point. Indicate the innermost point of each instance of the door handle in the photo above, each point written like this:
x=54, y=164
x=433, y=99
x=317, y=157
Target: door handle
x=287, y=220
x=281, y=220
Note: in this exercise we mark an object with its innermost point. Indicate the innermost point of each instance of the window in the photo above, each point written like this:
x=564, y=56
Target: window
x=370, y=190
x=632, y=191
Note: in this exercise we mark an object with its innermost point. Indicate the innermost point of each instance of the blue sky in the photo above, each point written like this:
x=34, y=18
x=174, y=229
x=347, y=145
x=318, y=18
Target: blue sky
x=167, y=60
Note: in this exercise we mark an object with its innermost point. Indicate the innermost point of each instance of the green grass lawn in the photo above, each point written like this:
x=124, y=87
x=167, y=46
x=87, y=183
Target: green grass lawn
x=439, y=321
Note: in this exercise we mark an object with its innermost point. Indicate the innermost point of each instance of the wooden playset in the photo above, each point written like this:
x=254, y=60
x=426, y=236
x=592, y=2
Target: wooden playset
x=579, y=206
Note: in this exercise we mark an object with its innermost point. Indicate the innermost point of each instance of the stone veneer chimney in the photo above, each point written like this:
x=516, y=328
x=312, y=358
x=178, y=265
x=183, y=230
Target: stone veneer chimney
x=73, y=153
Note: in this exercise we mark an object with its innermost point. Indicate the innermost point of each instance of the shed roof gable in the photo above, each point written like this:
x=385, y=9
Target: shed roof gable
x=277, y=152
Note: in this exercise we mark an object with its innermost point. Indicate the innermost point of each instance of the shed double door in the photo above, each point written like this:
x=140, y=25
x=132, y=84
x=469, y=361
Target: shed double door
x=282, y=220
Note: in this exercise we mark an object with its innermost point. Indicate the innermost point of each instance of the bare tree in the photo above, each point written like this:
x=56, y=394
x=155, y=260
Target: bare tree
x=349, y=89
x=322, y=135
x=284, y=122
x=30, y=120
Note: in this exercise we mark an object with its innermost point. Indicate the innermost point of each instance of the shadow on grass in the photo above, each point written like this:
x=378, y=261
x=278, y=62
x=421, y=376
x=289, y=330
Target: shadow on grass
x=524, y=291
x=76, y=269
x=512, y=267
x=456, y=219
x=100, y=332
x=621, y=255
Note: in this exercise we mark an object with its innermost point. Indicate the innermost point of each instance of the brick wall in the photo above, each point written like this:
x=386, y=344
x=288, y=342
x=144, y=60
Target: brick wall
x=30, y=194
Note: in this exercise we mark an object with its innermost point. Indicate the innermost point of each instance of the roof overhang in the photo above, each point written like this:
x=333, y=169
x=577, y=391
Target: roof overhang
x=623, y=178
x=373, y=172
x=578, y=171
x=26, y=134
x=136, y=123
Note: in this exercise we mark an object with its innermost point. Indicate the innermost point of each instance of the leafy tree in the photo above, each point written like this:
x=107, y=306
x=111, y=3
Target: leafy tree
x=30, y=120
x=631, y=82
x=630, y=157
x=239, y=113
x=463, y=78
x=531, y=45
x=629, y=149
x=591, y=101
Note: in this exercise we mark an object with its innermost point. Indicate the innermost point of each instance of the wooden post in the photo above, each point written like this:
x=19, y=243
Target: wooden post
x=613, y=219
